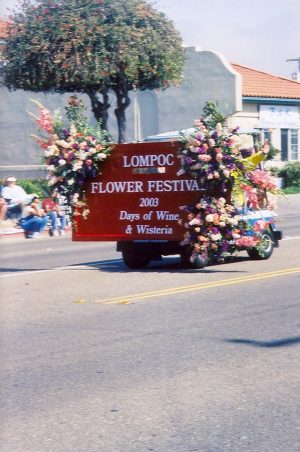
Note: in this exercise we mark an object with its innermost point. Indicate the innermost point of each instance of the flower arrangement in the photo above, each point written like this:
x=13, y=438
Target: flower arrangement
x=72, y=153
x=227, y=173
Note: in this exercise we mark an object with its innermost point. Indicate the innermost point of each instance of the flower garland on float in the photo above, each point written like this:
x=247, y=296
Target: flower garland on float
x=214, y=155
x=230, y=180
x=73, y=153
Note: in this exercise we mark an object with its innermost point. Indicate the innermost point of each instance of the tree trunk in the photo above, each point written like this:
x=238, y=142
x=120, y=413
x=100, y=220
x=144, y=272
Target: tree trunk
x=123, y=101
x=100, y=109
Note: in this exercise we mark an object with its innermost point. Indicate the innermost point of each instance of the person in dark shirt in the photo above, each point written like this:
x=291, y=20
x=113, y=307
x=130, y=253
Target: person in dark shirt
x=54, y=212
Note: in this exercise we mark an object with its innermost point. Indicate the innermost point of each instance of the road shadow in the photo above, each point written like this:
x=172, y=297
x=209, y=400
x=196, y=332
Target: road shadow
x=167, y=265
x=284, y=342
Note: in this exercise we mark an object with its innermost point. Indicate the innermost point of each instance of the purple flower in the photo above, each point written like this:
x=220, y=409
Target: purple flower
x=189, y=160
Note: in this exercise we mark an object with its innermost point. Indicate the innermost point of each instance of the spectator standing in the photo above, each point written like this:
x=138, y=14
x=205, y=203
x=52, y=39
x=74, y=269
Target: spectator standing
x=54, y=212
x=34, y=219
x=15, y=197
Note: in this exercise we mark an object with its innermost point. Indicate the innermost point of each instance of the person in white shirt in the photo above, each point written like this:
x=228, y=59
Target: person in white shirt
x=15, y=196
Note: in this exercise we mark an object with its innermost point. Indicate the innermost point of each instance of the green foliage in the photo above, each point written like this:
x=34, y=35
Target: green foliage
x=272, y=152
x=291, y=174
x=212, y=116
x=38, y=186
x=292, y=190
x=80, y=45
x=274, y=170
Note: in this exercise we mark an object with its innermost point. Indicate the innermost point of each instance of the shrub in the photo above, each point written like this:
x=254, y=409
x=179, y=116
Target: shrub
x=37, y=186
x=291, y=174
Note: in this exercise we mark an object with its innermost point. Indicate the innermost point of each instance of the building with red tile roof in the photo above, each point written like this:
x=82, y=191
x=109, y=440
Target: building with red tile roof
x=258, y=84
x=270, y=106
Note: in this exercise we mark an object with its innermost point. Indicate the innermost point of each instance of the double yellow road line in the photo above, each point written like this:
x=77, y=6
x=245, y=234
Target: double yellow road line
x=196, y=287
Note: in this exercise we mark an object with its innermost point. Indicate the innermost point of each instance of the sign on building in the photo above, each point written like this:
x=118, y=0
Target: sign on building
x=278, y=117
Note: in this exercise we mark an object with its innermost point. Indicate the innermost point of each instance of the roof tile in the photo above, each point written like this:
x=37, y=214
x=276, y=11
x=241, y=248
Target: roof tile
x=261, y=84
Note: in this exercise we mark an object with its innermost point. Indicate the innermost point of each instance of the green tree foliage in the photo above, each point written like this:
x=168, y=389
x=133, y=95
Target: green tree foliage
x=94, y=47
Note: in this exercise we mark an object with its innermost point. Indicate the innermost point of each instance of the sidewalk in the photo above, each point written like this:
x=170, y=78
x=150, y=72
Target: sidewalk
x=9, y=230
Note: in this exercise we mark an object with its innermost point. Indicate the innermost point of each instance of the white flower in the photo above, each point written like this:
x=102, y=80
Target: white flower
x=180, y=172
x=209, y=218
x=50, y=168
x=194, y=221
x=232, y=221
x=215, y=237
x=219, y=128
x=51, y=150
x=82, y=155
x=221, y=202
x=77, y=164
x=101, y=156
x=71, y=182
x=52, y=180
x=193, y=141
x=61, y=162
x=62, y=143
x=73, y=130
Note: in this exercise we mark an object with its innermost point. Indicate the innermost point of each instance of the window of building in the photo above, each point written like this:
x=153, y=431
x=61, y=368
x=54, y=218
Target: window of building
x=290, y=144
x=261, y=136
x=294, y=154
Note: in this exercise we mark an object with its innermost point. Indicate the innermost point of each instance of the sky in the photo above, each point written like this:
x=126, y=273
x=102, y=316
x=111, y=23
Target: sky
x=260, y=34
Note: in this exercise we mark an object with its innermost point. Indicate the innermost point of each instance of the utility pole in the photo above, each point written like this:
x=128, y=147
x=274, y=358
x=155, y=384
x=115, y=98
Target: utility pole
x=296, y=75
x=295, y=59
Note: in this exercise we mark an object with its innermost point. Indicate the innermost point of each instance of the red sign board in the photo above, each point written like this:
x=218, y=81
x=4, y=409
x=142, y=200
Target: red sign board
x=138, y=195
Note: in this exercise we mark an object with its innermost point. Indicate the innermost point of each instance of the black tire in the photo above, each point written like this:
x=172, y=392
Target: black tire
x=200, y=262
x=266, y=248
x=135, y=261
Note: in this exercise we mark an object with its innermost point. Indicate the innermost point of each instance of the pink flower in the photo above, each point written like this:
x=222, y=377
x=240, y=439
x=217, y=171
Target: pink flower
x=247, y=241
x=261, y=225
x=251, y=195
x=45, y=121
x=263, y=180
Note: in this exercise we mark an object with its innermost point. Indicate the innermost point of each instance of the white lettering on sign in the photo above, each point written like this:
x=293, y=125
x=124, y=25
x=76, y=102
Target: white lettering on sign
x=147, y=229
x=166, y=215
x=129, y=216
x=150, y=186
x=173, y=185
x=136, y=161
x=117, y=187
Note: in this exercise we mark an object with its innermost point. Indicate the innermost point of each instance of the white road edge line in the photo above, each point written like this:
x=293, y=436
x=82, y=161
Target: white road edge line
x=68, y=267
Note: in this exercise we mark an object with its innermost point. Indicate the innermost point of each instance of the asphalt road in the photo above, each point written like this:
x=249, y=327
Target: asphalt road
x=18, y=254
x=95, y=357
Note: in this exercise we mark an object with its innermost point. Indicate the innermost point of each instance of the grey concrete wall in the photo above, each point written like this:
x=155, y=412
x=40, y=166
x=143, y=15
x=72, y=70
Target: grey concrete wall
x=207, y=77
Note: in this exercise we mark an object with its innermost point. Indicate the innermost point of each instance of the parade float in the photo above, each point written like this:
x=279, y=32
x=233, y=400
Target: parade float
x=199, y=193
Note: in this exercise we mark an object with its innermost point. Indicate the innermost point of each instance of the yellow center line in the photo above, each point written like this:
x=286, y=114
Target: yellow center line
x=194, y=287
